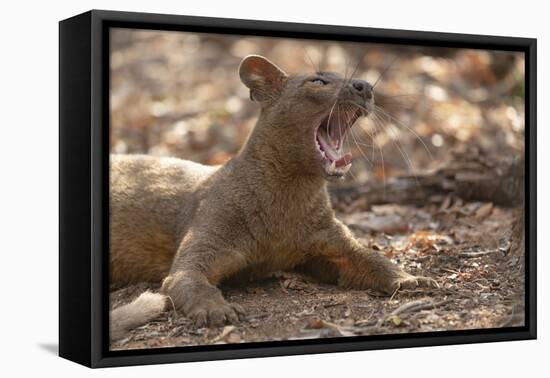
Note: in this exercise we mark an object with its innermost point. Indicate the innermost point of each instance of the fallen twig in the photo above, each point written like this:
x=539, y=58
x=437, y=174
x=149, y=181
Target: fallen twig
x=480, y=253
x=319, y=324
x=406, y=306
x=418, y=305
x=333, y=304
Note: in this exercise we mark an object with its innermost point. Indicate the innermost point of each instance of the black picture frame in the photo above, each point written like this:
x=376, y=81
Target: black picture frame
x=83, y=181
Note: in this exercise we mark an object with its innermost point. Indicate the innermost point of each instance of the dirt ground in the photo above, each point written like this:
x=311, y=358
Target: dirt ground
x=466, y=247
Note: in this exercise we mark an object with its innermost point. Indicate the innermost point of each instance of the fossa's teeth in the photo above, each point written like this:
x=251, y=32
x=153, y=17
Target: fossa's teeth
x=332, y=167
x=345, y=168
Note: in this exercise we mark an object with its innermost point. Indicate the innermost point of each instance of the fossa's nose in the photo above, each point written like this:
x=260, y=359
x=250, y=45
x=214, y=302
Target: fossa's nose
x=362, y=88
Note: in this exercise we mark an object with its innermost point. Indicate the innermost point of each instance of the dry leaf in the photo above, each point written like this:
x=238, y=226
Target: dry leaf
x=484, y=210
x=225, y=333
x=395, y=320
x=233, y=338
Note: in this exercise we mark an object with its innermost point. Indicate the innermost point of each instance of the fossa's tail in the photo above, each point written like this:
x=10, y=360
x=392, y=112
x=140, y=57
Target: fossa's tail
x=141, y=310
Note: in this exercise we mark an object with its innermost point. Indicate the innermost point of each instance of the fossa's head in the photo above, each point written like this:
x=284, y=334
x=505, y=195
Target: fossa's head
x=313, y=113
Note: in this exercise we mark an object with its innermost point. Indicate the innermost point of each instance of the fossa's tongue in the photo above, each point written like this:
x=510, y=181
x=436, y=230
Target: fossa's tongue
x=332, y=153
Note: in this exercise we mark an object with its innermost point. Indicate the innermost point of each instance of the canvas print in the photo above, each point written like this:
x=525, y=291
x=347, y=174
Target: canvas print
x=268, y=189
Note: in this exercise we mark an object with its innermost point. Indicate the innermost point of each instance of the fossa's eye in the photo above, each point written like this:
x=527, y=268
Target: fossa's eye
x=318, y=81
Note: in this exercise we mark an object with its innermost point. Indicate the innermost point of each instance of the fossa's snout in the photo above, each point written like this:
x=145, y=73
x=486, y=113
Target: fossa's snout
x=362, y=88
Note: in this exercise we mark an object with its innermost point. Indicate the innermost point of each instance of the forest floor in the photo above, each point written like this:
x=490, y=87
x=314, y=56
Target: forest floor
x=465, y=246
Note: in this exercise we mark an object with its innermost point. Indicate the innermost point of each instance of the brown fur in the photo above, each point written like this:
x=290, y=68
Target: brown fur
x=193, y=226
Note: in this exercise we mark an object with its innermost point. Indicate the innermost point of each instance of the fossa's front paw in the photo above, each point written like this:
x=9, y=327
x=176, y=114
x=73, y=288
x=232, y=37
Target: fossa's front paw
x=215, y=313
x=202, y=302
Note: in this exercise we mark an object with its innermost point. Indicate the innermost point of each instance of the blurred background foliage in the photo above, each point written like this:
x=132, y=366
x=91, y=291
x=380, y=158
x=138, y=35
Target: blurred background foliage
x=179, y=94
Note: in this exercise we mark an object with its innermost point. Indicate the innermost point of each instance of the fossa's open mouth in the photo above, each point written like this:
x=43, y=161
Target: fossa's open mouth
x=329, y=140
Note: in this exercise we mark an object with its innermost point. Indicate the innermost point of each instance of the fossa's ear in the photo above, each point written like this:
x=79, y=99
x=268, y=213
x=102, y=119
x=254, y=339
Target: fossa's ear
x=263, y=78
